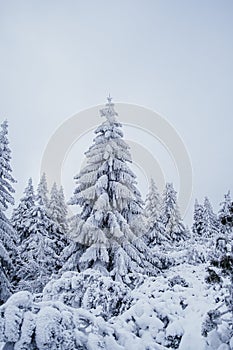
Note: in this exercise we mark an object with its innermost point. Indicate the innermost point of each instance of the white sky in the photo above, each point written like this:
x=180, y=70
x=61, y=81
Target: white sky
x=175, y=57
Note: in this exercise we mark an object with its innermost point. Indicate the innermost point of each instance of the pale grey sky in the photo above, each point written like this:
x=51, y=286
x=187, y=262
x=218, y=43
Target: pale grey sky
x=175, y=57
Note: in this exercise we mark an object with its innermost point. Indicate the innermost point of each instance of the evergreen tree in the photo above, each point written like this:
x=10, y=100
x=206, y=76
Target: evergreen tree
x=155, y=229
x=153, y=204
x=57, y=212
x=7, y=257
x=222, y=235
x=6, y=179
x=63, y=211
x=211, y=225
x=8, y=238
x=38, y=257
x=21, y=216
x=111, y=219
x=198, y=220
x=174, y=227
x=42, y=191
x=226, y=214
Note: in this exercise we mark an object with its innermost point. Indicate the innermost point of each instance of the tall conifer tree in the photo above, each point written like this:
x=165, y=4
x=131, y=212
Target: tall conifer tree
x=112, y=216
x=8, y=237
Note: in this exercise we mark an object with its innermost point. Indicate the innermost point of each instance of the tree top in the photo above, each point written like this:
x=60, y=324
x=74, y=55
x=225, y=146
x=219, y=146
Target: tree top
x=109, y=111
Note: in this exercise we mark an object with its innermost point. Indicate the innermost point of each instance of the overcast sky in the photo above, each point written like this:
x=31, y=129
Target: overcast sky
x=174, y=57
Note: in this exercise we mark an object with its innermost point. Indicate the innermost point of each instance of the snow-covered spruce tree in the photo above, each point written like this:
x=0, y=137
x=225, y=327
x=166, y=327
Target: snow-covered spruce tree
x=8, y=237
x=153, y=204
x=198, y=220
x=225, y=214
x=63, y=211
x=37, y=251
x=222, y=255
x=174, y=227
x=196, y=250
x=6, y=179
x=154, y=226
x=211, y=224
x=21, y=217
x=42, y=191
x=111, y=219
x=57, y=212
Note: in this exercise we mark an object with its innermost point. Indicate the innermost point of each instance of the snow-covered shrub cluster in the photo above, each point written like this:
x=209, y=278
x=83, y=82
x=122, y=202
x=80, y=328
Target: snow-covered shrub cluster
x=178, y=280
x=218, y=324
x=89, y=290
x=48, y=325
x=158, y=316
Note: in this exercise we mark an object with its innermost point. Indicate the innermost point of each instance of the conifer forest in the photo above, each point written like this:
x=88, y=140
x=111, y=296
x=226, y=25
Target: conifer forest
x=123, y=273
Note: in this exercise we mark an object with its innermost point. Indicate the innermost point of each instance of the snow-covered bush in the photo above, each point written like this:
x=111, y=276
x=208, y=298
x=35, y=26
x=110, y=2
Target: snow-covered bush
x=135, y=280
x=27, y=325
x=218, y=324
x=213, y=276
x=225, y=262
x=199, y=250
x=155, y=314
x=217, y=328
x=89, y=290
x=166, y=260
x=196, y=253
x=221, y=256
x=50, y=325
x=161, y=315
x=178, y=280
